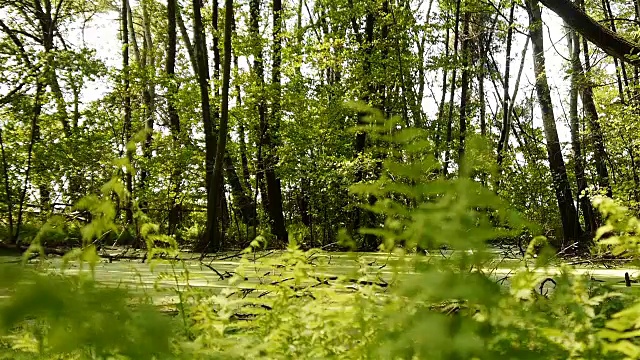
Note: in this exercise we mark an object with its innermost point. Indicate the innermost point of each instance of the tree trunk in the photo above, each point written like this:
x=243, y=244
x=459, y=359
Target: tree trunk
x=148, y=92
x=258, y=68
x=591, y=114
x=244, y=161
x=364, y=218
x=241, y=199
x=456, y=38
x=570, y=223
x=274, y=189
x=610, y=42
x=184, y=34
x=127, y=110
x=443, y=97
x=210, y=239
x=464, y=86
x=174, y=118
x=7, y=186
x=579, y=162
x=37, y=109
x=482, y=53
x=621, y=70
x=506, y=121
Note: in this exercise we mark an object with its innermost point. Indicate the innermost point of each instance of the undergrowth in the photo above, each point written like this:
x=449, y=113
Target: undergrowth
x=284, y=307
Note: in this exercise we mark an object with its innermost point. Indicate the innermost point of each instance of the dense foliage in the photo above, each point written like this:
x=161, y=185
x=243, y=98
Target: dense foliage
x=307, y=127
x=238, y=112
x=451, y=307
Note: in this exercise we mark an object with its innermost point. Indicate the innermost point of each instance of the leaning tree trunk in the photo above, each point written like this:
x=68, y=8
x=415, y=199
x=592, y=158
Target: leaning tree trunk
x=572, y=230
x=607, y=40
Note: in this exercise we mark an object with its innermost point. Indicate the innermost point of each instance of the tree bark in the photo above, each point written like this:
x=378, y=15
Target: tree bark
x=209, y=239
x=610, y=42
x=449, y=140
x=184, y=34
x=127, y=110
x=37, y=109
x=506, y=120
x=464, y=86
x=7, y=186
x=443, y=97
x=274, y=189
x=482, y=53
x=579, y=161
x=621, y=71
x=258, y=68
x=572, y=231
x=215, y=192
x=174, y=118
x=241, y=198
x=148, y=92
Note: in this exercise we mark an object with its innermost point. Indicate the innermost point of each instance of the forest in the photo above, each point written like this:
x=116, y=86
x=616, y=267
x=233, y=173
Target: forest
x=295, y=156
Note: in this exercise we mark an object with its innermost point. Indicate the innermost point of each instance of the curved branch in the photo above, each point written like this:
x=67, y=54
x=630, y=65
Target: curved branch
x=610, y=42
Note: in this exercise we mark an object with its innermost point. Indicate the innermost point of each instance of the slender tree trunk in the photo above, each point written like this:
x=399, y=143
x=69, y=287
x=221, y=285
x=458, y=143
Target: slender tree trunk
x=244, y=161
x=591, y=114
x=274, y=188
x=47, y=21
x=210, y=238
x=241, y=187
x=37, y=109
x=364, y=218
x=440, y=117
x=570, y=223
x=127, y=110
x=241, y=198
x=48, y=26
x=506, y=121
x=184, y=34
x=7, y=187
x=222, y=207
x=636, y=69
x=464, y=86
x=258, y=68
x=215, y=191
x=174, y=118
x=482, y=53
x=456, y=39
x=148, y=93
x=619, y=65
x=634, y=172
x=133, y=39
x=581, y=182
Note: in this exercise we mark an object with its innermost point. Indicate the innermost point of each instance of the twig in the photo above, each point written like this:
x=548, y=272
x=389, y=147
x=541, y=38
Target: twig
x=214, y=270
